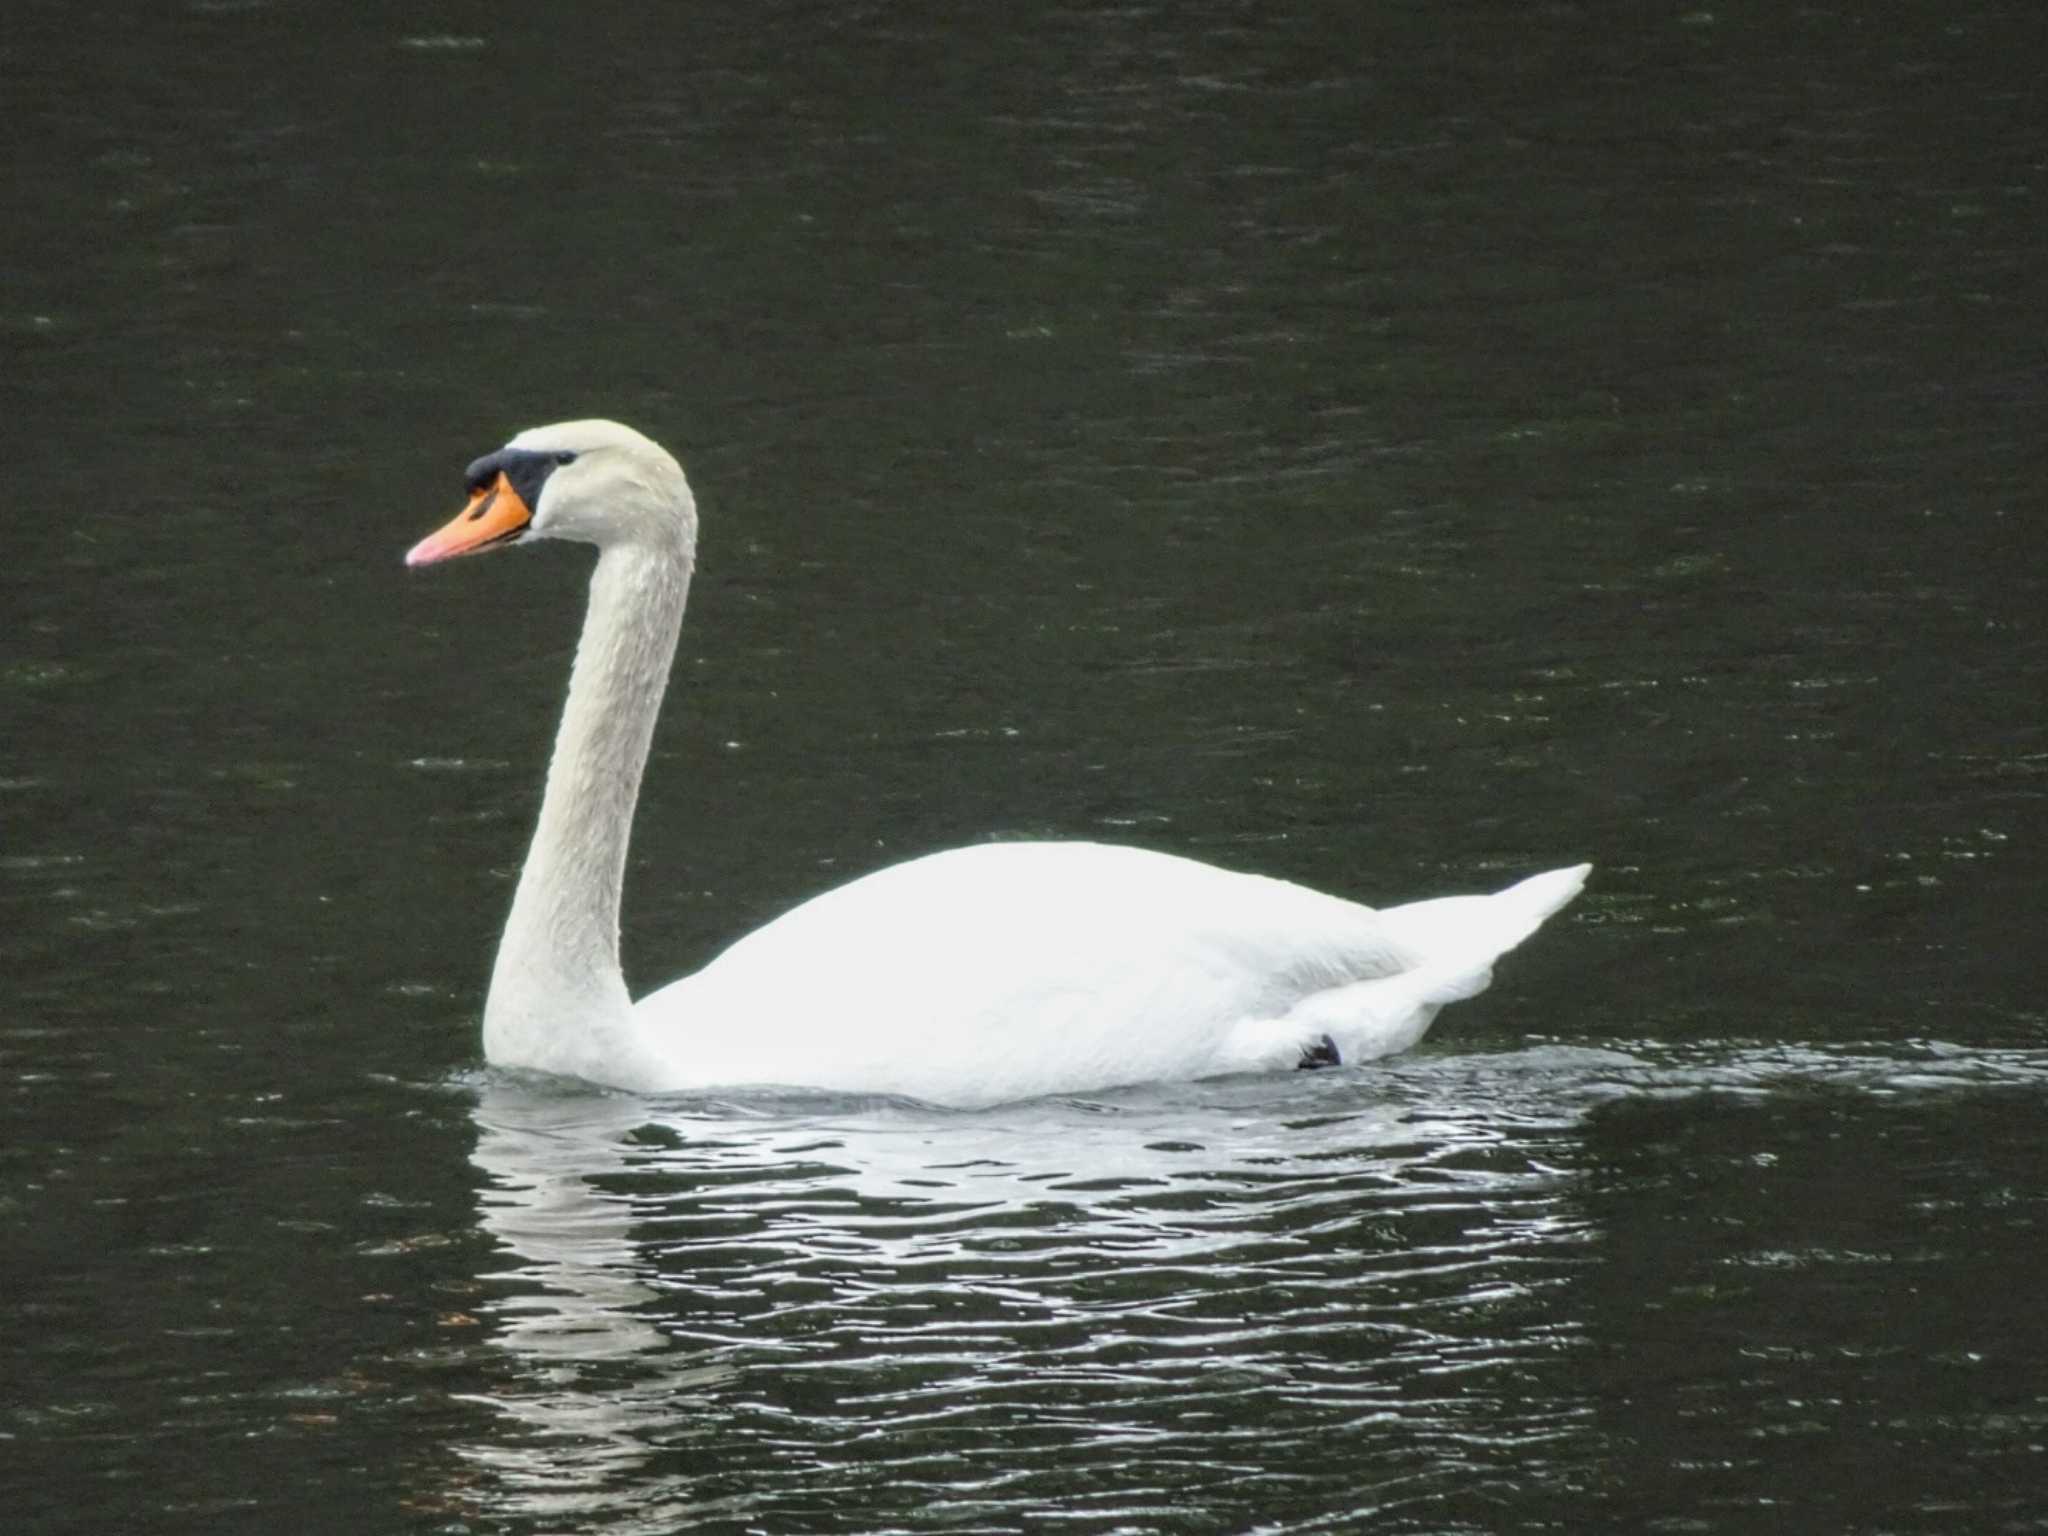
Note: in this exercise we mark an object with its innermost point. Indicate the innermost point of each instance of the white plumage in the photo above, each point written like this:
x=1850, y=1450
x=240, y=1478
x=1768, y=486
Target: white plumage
x=965, y=978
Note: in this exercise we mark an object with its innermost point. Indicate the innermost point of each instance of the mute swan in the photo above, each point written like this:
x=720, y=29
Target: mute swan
x=963, y=978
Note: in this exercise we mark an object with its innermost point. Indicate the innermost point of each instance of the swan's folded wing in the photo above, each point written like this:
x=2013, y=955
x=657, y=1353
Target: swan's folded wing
x=1017, y=968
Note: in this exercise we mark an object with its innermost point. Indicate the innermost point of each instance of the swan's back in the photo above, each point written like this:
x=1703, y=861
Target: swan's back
x=1013, y=969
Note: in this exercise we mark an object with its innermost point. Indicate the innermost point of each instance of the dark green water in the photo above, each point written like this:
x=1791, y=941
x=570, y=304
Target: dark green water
x=1390, y=447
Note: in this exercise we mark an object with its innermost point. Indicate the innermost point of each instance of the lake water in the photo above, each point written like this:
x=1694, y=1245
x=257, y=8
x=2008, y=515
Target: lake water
x=1393, y=448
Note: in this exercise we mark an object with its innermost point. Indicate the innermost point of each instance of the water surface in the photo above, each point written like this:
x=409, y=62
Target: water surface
x=1395, y=449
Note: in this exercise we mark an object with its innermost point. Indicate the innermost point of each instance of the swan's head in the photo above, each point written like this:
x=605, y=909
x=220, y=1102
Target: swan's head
x=592, y=481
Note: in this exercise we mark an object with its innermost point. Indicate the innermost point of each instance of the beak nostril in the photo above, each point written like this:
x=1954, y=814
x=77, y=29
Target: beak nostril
x=483, y=505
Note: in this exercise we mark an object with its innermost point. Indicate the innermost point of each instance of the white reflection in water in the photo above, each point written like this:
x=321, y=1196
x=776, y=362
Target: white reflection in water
x=596, y=1391
x=1162, y=1300
x=695, y=1290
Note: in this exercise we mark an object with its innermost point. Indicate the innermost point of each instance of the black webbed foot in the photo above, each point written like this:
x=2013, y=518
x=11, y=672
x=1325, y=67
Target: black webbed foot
x=1321, y=1052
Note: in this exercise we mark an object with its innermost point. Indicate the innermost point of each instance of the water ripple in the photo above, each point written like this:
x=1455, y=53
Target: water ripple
x=1139, y=1312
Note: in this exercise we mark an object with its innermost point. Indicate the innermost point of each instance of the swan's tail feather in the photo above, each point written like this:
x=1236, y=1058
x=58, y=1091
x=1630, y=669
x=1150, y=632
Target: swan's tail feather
x=1471, y=931
x=1452, y=943
x=1453, y=985
x=1526, y=906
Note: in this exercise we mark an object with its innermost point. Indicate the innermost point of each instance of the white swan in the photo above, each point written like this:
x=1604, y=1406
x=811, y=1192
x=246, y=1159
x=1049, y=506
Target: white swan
x=963, y=978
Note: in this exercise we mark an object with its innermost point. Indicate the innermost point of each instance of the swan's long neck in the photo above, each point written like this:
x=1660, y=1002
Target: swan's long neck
x=558, y=999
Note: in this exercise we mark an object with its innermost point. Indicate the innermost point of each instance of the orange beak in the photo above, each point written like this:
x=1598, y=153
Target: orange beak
x=496, y=514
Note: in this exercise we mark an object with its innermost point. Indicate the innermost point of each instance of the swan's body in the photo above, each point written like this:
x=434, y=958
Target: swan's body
x=964, y=978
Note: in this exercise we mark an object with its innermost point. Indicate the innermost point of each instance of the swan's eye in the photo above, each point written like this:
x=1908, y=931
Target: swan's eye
x=565, y=457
